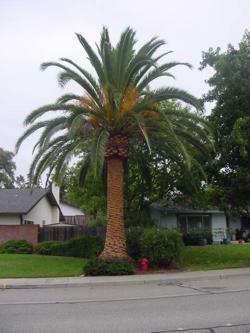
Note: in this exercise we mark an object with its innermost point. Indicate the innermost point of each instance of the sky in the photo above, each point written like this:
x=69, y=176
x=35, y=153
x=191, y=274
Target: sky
x=32, y=32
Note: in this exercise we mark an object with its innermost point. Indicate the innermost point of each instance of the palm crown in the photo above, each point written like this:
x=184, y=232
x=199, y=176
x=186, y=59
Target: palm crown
x=116, y=110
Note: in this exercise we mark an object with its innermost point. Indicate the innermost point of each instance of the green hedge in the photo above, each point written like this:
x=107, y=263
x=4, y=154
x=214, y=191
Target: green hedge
x=162, y=247
x=50, y=248
x=83, y=247
x=95, y=267
x=16, y=246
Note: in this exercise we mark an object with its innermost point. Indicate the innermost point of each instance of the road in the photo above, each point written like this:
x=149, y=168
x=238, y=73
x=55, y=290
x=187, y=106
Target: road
x=218, y=305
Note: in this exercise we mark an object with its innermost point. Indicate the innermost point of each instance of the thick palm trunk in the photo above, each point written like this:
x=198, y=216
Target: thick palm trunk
x=115, y=243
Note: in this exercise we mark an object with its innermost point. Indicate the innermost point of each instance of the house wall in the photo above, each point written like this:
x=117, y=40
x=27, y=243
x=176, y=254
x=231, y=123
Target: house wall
x=218, y=221
x=69, y=210
x=168, y=221
x=43, y=213
x=164, y=220
x=10, y=219
x=27, y=232
x=219, y=227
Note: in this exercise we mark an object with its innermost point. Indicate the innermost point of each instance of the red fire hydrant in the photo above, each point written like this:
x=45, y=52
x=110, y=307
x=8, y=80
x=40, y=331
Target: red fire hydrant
x=144, y=263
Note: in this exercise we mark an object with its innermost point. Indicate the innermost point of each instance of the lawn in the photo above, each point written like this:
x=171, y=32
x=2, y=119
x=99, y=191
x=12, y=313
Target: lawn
x=216, y=256
x=28, y=266
x=194, y=258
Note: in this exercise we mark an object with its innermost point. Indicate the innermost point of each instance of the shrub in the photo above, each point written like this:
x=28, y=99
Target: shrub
x=195, y=237
x=50, y=248
x=95, y=267
x=83, y=247
x=133, y=239
x=16, y=246
x=161, y=246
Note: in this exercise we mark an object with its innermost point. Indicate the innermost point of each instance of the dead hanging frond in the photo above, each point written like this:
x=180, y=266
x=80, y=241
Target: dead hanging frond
x=128, y=100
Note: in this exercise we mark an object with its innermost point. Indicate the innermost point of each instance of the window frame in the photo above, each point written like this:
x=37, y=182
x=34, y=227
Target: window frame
x=186, y=227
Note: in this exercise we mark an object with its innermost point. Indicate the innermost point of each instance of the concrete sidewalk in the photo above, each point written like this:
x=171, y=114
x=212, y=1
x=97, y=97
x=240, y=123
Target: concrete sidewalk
x=167, y=278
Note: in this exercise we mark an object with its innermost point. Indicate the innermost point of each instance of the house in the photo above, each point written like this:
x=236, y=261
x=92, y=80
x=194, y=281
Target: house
x=187, y=219
x=26, y=206
x=22, y=211
x=72, y=214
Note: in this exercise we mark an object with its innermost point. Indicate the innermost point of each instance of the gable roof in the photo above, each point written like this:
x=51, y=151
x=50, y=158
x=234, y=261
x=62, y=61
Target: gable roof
x=21, y=201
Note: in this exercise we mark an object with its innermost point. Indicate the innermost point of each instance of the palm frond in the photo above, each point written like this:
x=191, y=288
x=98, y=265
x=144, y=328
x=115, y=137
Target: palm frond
x=169, y=93
x=86, y=74
x=95, y=61
x=97, y=151
x=68, y=97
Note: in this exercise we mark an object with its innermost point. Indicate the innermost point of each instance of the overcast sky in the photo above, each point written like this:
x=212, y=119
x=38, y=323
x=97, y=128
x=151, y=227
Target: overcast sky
x=32, y=32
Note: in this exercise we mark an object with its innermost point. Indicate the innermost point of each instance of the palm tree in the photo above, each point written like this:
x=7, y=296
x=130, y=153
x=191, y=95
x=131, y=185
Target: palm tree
x=115, y=113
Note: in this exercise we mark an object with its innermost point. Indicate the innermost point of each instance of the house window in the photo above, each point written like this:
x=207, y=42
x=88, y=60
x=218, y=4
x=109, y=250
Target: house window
x=28, y=222
x=190, y=223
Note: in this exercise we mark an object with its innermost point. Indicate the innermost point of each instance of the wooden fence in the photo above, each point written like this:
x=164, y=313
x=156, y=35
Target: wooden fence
x=64, y=233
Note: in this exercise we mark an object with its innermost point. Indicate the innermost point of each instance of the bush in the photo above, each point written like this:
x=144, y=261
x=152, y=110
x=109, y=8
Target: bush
x=133, y=239
x=95, y=267
x=195, y=237
x=17, y=246
x=161, y=246
x=51, y=248
x=83, y=247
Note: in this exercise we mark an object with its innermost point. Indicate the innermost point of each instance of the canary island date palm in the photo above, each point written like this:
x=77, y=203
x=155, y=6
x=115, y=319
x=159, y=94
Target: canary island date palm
x=115, y=111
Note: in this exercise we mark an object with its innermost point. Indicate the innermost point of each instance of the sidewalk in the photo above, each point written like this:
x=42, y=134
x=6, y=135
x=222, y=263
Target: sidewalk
x=167, y=278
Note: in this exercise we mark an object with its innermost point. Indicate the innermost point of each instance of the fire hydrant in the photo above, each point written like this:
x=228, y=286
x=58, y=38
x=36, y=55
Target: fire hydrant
x=144, y=263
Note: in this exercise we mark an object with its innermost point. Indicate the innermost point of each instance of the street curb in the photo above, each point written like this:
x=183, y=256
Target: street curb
x=166, y=280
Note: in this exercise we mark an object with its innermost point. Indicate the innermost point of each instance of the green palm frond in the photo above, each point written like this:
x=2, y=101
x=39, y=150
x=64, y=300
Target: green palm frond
x=169, y=93
x=97, y=152
x=68, y=97
x=84, y=169
x=86, y=74
x=116, y=100
x=93, y=58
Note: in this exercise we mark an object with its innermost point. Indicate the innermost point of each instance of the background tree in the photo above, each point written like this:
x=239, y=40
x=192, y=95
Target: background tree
x=7, y=169
x=90, y=197
x=230, y=91
x=116, y=114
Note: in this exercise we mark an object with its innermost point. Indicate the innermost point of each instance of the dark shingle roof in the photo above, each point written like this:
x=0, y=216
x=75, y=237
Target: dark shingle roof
x=21, y=201
x=171, y=207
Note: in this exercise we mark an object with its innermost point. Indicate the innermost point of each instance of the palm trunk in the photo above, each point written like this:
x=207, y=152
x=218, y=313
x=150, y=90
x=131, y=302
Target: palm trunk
x=115, y=244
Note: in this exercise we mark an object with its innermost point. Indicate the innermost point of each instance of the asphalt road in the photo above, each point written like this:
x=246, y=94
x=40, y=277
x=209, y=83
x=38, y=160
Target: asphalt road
x=221, y=305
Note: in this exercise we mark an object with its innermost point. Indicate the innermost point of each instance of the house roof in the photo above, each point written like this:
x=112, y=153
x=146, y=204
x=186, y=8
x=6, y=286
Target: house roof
x=171, y=207
x=21, y=201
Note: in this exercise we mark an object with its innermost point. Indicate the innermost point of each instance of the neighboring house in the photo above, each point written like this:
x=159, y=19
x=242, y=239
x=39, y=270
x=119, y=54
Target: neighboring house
x=187, y=219
x=26, y=206
x=72, y=214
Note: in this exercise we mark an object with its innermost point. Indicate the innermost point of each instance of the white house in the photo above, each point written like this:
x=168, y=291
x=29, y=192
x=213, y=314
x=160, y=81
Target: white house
x=26, y=206
x=186, y=219
x=72, y=214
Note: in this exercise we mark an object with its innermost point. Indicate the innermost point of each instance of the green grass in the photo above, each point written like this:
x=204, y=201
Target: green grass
x=216, y=257
x=28, y=266
x=194, y=258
